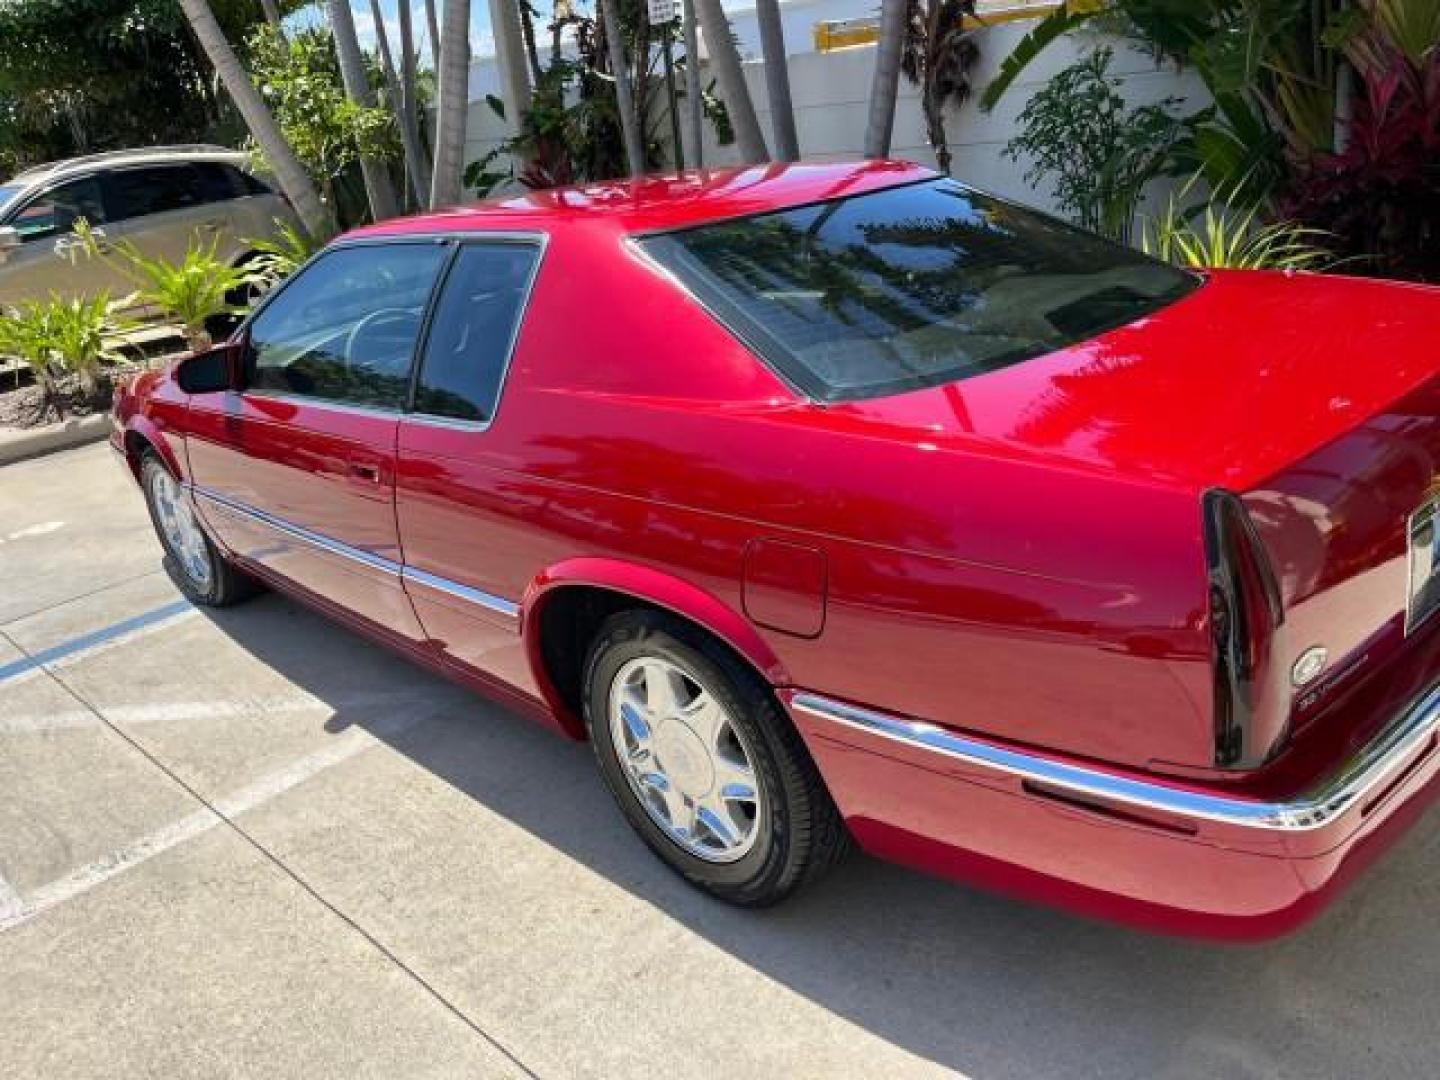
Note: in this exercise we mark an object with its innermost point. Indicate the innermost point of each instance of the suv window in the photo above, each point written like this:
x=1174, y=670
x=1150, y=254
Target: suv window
x=911, y=286
x=473, y=330
x=344, y=330
x=57, y=210
x=155, y=189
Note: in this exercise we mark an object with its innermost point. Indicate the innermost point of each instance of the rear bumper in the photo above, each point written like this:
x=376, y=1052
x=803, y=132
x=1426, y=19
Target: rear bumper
x=1139, y=849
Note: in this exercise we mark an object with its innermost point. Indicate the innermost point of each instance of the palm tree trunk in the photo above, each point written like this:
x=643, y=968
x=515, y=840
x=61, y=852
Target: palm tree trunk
x=409, y=136
x=293, y=179
x=624, y=99
x=434, y=26
x=510, y=54
x=777, y=80
x=693, y=95
x=272, y=15
x=416, y=158
x=886, y=85
x=378, y=188
x=527, y=30
x=454, y=77
x=726, y=61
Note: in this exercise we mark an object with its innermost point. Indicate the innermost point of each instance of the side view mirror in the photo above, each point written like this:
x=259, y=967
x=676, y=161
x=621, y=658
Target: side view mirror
x=208, y=372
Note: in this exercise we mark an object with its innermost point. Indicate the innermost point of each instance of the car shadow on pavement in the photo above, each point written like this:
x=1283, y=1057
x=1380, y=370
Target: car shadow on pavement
x=987, y=985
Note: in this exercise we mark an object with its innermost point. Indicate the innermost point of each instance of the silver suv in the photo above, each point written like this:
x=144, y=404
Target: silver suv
x=159, y=198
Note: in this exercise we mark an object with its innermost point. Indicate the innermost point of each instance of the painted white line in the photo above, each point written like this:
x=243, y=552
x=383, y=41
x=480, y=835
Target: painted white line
x=345, y=746
x=10, y=903
x=44, y=528
x=127, y=716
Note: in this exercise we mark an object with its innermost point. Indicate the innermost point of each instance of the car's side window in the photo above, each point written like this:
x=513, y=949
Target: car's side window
x=155, y=189
x=57, y=210
x=473, y=330
x=345, y=329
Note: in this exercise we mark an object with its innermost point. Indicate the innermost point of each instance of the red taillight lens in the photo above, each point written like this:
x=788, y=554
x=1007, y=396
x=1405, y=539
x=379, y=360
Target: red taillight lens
x=1245, y=612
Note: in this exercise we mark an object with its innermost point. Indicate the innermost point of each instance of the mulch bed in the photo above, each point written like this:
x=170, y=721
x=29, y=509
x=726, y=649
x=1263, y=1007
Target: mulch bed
x=24, y=406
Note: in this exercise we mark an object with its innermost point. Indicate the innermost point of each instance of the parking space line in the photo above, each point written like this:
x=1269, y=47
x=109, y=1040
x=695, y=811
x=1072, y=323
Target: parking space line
x=10, y=902
x=353, y=741
x=96, y=640
x=52, y=605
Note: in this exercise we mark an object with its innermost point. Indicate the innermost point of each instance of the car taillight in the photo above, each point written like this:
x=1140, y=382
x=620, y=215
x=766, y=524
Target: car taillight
x=1245, y=612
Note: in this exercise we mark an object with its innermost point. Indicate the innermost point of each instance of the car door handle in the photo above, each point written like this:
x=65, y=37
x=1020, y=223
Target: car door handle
x=363, y=470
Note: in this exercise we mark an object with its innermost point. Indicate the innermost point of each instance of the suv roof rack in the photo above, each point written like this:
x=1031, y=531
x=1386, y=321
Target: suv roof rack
x=116, y=155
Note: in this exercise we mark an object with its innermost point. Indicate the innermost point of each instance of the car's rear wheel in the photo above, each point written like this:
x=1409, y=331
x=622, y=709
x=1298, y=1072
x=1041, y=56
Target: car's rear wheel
x=705, y=766
x=192, y=561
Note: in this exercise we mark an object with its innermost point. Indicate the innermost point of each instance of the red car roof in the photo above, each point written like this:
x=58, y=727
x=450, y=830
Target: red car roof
x=664, y=201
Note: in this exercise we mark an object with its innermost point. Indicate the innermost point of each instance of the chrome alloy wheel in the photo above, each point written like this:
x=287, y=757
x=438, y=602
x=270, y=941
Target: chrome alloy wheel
x=685, y=760
x=180, y=530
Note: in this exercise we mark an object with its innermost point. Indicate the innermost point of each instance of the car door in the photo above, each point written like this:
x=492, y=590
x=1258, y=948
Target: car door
x=452, y=497
x=163, y=209
x=49, y=259
x=295, y=471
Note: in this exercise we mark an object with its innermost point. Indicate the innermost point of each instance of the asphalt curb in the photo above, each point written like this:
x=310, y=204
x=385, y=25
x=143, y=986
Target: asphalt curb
x=21, y=445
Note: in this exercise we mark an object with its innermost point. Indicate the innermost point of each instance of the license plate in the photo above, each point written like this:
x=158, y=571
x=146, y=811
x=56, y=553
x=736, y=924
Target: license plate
x=1424, y=564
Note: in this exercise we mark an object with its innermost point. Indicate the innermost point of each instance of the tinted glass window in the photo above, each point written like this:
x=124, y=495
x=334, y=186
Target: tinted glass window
x=156, y=189
x=217, y=182
x=252, y=185
x=911, y=286
x=345, y=329
x=472, y=330
x=56, y=211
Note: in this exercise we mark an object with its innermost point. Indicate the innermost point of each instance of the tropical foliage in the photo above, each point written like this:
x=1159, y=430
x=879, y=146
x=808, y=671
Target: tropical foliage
x=1078, y=134
x=193, y=291
x=56, y=337
x=939, y=52
x=1226, y=235
x=1326, y=112
x=280, y=255
x=298, y=76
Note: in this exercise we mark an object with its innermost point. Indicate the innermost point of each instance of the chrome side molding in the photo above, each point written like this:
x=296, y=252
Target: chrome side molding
x=1366, y=773
x=370, y=561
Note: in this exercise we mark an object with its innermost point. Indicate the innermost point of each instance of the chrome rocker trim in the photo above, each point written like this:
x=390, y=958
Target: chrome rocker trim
x=1366, y=772
x=377, y=563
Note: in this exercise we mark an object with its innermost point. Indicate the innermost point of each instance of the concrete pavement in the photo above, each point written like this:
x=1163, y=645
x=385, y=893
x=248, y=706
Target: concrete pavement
x=248, y=843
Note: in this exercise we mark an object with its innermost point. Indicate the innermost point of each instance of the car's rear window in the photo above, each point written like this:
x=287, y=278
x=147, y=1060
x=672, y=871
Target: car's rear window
x=911, y=286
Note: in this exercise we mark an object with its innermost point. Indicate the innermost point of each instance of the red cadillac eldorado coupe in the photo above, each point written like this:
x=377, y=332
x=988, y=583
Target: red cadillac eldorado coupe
x=843, y=502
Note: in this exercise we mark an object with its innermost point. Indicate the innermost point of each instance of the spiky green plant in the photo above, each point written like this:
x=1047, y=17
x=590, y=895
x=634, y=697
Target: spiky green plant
x=82, y=332
x=25, y=335
x=192, y=292
x=1226, y=235
x=282, y=254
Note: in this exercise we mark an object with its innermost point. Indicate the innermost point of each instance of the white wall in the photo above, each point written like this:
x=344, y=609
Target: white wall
x=830, y=92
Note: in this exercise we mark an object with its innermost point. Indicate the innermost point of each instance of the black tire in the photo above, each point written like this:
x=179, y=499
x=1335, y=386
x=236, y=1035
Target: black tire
x=226, y=584
x=800, y=835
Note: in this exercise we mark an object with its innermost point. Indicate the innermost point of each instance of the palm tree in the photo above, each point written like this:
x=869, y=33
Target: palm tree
x=293, y=179
x=434, y=27
x=885, y=87
x=410, y=104
x=272, y=15
x=446, y=183
x=378, y=188
x=400, y=105
x=510, y=54
x=777, y=80
x=693, y=100
x=940, y=50
x=721, y=43
x=624, y=98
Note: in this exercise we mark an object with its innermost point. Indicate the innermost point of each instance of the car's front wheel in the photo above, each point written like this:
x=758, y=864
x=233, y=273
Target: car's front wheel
x=705, y=766
x=199, y=570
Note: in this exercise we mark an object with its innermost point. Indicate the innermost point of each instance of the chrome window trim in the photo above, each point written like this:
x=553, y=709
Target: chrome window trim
x=1367, y=771
x=321, y=403
x=378, y=563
